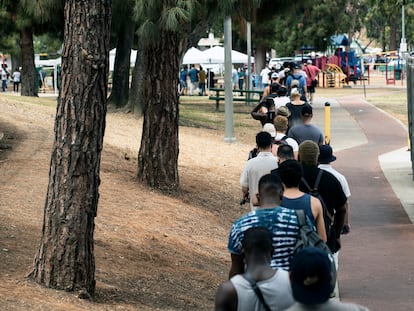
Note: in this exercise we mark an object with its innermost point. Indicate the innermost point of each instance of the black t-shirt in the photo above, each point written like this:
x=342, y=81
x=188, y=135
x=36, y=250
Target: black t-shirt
x=329, y=187
x=295, y=117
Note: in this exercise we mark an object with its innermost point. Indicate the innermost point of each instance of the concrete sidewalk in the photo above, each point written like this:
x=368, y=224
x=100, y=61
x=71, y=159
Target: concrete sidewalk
x=377, y=260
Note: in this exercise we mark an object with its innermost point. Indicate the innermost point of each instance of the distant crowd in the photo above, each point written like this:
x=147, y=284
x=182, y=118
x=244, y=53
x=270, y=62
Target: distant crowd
x=5, y=76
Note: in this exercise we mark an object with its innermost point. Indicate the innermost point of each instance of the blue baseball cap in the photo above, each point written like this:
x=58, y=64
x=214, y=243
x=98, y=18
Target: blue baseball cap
x=310, y=273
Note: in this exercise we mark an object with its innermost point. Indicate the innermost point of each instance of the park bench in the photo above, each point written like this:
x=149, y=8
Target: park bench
x=219, y=96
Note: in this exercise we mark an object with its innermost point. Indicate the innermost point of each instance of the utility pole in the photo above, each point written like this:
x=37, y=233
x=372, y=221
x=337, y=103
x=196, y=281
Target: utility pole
x=249, y=60
x=228, y=84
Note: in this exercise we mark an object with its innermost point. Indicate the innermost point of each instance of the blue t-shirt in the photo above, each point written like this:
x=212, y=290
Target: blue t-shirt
x=183, y=75
x=193, y=73
x=281, y=221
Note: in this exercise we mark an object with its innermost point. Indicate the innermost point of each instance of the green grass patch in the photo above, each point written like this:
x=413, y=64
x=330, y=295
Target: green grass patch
x=39, y=101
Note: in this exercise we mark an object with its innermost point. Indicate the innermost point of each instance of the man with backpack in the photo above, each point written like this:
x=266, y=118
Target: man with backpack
x=281, y=126
x=291, y=173
x=282, y=222
x=298, y=80
x=327, y=188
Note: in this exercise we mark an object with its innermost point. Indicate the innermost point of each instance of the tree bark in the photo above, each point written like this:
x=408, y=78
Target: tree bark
x=136, y=101
x=65, y=258
x=158, y=154
x=393, y=35
x=120, y=79
x=260, y=58
x=28, y=65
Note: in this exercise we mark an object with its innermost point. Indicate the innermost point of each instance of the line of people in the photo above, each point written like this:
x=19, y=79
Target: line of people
x=303, y=77
x=274, y=180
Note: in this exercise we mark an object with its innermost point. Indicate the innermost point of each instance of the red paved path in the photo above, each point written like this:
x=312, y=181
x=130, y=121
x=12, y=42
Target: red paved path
x=377, y=260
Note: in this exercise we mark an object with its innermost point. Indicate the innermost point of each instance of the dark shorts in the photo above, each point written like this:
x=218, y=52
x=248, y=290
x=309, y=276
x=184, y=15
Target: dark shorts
x=311, y=89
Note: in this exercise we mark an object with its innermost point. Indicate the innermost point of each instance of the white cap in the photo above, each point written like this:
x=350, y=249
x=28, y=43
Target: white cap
x=270, y=128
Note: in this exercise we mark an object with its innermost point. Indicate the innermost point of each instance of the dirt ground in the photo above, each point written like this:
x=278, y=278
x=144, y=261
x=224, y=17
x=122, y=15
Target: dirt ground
x=152, y=252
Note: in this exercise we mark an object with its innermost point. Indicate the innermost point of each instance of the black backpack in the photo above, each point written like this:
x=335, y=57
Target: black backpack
x=310, y=238
x=307, y=236
x=281, y=141
x=327, y=216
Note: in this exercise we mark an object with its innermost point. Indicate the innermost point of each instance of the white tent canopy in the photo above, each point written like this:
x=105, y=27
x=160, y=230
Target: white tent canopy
x=57, y=61
x=193, y=56
x=214, y=55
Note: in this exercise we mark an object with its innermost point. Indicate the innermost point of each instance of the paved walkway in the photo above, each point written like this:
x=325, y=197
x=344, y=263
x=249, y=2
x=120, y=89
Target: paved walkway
x=377, y=261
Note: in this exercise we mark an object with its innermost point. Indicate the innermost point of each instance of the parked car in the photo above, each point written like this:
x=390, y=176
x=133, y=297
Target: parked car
x=278, y=62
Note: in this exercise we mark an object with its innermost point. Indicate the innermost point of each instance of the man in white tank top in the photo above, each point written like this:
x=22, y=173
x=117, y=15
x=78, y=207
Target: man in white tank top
x=238, y=294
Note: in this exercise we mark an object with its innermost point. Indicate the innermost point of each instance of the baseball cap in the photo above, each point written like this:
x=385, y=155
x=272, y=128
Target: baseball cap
x=275, y=75
x=306, y=111
x=311, y=276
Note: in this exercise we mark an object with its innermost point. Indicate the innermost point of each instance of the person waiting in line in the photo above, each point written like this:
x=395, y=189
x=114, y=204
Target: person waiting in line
x=291, y=173
x=281, y=126
x=265, y=111
x=311, y=79
x=281, y=221
x=326, y=157
x=312, y=283
x=306, y=130
x=295, y=107
x=273, y=87
x=258, y=166
x=329, y=189
x=237, y=294
x=282, y=97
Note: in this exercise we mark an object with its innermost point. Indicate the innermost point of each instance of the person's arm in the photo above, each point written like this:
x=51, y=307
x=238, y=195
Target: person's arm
x=346, y=222
x=340, y=215
x=237, y=265
x=266, y=92
x=320, y=139
x=245, y=192
x=226, y=297
x=317, y=212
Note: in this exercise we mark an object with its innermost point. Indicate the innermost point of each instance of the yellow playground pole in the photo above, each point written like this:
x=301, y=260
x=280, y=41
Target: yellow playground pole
x=327, y=123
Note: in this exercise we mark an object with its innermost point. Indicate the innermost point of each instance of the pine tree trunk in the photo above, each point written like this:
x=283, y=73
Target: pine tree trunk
x=136, y=100
x=393, y=35
x=65, y=258
x=120, y=79
x=28, y=65
x=158, y=154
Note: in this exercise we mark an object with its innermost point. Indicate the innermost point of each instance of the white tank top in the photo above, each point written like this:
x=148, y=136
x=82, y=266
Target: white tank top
x=276, y=292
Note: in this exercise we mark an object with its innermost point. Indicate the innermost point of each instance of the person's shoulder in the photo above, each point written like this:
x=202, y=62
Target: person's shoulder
x=333, y=304
x=329, y=179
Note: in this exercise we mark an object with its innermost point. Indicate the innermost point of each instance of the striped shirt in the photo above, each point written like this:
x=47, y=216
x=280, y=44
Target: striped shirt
x=282, y=222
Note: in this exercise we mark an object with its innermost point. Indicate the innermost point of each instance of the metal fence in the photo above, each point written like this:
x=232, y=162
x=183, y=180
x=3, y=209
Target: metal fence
x=410, y=104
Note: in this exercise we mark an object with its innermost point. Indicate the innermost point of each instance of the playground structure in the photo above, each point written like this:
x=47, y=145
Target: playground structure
x=344, y=66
